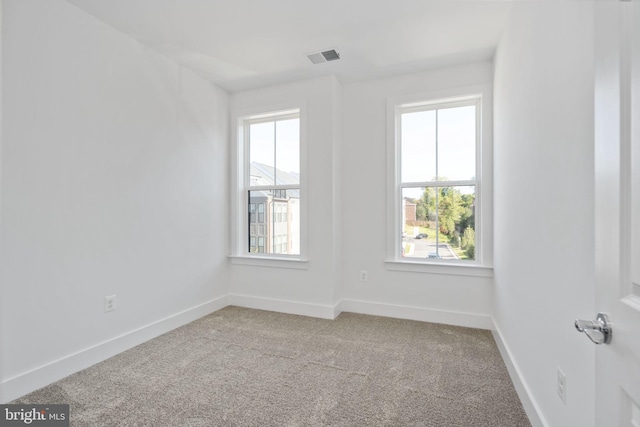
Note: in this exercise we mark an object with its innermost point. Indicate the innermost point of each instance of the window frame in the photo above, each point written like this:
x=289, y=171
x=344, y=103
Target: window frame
x=483, y=224
x=240, y=181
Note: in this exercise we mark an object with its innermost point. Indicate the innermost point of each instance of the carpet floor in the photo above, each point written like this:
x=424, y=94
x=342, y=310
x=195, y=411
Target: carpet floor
x=244, y=367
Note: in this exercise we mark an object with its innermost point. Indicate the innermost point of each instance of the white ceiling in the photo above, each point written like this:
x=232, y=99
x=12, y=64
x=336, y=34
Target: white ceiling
x=242, y=44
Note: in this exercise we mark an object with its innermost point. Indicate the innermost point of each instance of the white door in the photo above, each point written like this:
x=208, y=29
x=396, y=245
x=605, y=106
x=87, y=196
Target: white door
x=617, y=225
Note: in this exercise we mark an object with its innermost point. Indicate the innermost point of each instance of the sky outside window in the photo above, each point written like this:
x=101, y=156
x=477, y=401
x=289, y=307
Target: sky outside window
x=276, y=144
x=456, y=145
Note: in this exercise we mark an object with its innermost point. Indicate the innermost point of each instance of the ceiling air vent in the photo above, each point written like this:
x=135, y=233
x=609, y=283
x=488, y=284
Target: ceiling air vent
x=325, y=56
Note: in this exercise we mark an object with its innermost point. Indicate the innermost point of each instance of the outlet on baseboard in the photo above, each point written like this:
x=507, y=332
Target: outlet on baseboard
x=562, y=386
x=364, y=275
x=109, y=303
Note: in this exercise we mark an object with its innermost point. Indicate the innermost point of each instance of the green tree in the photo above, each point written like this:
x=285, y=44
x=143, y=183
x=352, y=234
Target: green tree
x=467, y=218
x=421, y=211
x=454, y=238
x=426, y=205
x=469, y=242
x=450, y=209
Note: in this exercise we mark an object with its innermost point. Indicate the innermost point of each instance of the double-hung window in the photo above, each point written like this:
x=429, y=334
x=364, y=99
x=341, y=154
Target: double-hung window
x=270, y=187
x=436, y=186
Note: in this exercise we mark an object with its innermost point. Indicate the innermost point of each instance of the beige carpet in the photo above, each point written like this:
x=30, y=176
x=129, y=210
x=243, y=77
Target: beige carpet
x=242, y=367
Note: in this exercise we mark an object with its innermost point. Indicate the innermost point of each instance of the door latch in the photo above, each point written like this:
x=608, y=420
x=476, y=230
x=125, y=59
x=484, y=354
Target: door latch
x=599, y=330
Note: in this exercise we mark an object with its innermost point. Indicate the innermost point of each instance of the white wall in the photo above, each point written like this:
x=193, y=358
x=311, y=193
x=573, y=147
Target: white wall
x=435, y=297
x=314, y=289
x=346, y=142
x=544, y=199
x=114, y=178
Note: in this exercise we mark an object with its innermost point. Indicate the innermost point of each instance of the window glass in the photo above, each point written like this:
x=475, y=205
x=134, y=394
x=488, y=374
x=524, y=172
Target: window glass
x=418, y=133
x=281, y=233
x=272, y=183
x=438, y=181
x=262, y=153
x=439, y=222
x=288, y=151
x=457, y=143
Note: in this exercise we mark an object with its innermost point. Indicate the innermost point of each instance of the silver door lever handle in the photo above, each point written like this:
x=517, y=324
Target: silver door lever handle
x=581, y=325
x=598, y=331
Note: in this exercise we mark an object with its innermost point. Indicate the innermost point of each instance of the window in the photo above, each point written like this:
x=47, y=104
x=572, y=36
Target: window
x=436, y=180
x=260, y=211
x=252, y=212
x=271, y=183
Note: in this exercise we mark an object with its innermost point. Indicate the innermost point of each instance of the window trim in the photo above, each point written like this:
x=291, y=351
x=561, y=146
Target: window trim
x=239, y=235
x=482, y=265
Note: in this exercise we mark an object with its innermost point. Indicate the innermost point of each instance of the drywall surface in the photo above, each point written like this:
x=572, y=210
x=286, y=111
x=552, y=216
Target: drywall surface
x=439, y=297
x=544, y=197
x=345, y=135
x=114, y=182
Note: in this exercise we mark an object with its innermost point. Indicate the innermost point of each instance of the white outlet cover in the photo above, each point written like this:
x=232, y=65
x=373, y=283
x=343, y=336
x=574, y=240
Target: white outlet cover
x=109, y=303
x=562, y=386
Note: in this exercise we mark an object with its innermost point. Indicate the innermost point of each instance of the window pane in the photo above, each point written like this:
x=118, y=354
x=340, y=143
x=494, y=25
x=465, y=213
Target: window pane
x=457, y=143
x=270, y=209
x=418, y=145
x=261, y=153
x=288, y=152
x=261, y=217
x=438, y=222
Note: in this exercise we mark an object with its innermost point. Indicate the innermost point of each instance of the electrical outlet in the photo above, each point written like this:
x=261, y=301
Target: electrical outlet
x=109, y=303
x=364, y=275
x=562, y=386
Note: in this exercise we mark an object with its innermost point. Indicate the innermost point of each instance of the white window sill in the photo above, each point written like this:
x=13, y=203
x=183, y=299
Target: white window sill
x=267, y=261
x=440, y=268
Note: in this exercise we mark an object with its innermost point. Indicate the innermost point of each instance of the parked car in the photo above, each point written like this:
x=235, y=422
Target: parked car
x=422, y=236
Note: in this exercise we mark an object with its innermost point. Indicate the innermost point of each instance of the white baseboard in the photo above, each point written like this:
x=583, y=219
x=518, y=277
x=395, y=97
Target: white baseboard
x=362, y=307
x=468, y=320
x=529, y=404
x=19, y=385
x=285, y=306
x=337, y=309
